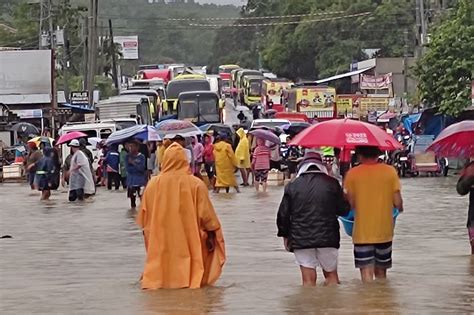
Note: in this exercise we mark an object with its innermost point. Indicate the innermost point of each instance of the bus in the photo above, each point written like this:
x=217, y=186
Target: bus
x=227, y=68
x=200, y=107
x=176, y=87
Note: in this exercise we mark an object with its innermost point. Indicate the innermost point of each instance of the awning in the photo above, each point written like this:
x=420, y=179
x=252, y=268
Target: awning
x=79, y=108
x=344, y=75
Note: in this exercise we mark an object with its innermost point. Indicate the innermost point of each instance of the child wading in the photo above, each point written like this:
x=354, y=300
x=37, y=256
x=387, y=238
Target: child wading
x=136, y=173
x=307, y=220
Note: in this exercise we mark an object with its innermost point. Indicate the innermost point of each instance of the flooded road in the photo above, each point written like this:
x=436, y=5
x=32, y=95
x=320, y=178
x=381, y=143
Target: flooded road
x=87, y=258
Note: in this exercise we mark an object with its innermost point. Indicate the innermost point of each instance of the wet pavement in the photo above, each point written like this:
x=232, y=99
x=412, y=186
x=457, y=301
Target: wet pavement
x=87, y=258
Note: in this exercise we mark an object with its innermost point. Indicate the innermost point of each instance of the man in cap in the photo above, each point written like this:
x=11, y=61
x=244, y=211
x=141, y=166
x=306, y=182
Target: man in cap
x=307, y=219
x=135, y=164
x=81, y=183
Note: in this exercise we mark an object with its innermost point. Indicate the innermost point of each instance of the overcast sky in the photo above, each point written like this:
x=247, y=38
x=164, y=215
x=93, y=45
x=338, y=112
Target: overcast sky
x=234, y=2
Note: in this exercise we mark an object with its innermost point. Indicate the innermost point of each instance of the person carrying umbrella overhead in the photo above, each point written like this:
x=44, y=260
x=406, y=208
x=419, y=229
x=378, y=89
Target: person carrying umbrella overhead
x=261, y=164
x=81, y=182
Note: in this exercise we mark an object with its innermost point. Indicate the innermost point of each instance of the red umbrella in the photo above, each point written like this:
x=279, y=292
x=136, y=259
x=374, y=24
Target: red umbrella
x=345, y=133
x=455, y=141
x=70, y=136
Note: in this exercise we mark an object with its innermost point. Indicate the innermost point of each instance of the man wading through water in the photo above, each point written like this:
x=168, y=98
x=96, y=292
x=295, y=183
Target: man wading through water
x=373, y=189
x=307, y=220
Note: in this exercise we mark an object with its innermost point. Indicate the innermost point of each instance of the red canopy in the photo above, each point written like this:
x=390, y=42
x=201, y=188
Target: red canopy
x=345, y=133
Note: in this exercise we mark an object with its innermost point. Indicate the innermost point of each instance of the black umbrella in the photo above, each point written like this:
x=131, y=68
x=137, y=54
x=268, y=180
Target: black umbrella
x=25, y=128
x=295, y=128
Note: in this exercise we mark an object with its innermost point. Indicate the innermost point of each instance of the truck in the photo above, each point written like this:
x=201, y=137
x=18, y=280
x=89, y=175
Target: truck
x=156, y=100
x=126, y=106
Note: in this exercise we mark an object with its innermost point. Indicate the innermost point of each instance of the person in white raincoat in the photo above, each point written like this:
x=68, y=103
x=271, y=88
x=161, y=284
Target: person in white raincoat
x=81, y=182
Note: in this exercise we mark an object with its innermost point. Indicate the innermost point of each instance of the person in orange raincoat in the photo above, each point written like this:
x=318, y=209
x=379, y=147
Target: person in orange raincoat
x=183, y=236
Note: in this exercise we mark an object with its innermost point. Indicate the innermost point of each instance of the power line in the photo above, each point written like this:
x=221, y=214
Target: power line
x=284, y=23
x=238, y=18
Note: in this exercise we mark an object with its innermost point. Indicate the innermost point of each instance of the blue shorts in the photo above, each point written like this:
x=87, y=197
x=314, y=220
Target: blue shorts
x=377, y=255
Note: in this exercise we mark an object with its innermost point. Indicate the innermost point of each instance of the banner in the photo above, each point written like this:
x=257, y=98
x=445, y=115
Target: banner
x=312, y=98
x=128, y=46
x=375, y=82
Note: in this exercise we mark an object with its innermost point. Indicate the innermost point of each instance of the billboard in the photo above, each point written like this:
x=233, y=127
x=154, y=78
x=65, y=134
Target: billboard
x=128, y=46
x=25, y=72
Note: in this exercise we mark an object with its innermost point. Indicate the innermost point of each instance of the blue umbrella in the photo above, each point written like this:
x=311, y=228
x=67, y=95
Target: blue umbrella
x=142, y=132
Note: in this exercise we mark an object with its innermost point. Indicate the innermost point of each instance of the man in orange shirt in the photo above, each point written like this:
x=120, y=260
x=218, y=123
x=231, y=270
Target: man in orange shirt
x=373, y=190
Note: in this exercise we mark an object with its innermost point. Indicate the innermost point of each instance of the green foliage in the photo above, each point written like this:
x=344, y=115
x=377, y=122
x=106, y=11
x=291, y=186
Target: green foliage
x=163, y=40
x=319, y=49
x=446, y=70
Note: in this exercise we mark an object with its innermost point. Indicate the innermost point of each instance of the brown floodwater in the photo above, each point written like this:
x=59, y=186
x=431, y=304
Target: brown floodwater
x=87, y=258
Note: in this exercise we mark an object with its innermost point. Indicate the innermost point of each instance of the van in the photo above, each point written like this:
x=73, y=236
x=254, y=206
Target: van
x=92, y=130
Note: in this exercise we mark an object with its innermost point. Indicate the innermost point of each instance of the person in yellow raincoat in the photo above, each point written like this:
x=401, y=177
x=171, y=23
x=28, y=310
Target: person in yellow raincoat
x=242, y=155
x=225, y=165
x=183, y=237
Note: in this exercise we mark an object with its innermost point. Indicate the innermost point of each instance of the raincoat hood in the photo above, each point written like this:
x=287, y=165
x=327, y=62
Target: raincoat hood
x=220, y=146
x=175, y=160
x=242, y=152
x=241, y=133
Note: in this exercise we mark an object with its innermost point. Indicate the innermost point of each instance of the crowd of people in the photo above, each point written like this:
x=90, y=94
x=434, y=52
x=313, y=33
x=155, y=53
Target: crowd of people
x=182, y=233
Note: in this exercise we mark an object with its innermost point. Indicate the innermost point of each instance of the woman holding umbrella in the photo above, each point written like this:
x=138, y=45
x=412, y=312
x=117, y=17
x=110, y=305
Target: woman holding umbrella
x=261, y=164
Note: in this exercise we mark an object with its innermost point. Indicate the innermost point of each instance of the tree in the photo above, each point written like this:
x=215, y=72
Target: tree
x=445, y=72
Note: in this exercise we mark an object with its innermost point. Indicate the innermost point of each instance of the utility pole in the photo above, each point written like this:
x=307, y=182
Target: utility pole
x=418, y=29
x=112, y=51
x=423, y=26
x=405, y=69
x=92, y=48
x=40, y=27
x=52, y=44
x=85, y=53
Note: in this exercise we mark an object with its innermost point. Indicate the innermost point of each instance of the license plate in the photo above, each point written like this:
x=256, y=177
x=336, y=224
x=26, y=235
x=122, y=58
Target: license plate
x=403, y=159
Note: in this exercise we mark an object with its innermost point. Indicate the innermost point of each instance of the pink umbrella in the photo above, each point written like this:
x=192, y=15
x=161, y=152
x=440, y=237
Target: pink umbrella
x=345, y=133
x=455, y=141
x=70, y=136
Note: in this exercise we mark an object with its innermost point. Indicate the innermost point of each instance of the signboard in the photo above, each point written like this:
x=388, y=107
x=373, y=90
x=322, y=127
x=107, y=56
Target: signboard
x=344, y=104
x=26, y=72
x=367, y=104
x=128, y=46
x=375, y=82
x=29, y=113
x=311, y=98
x=80, y=98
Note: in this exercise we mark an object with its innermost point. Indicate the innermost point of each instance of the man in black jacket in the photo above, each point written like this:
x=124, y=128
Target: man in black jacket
x=466, y=186
x=307, y=220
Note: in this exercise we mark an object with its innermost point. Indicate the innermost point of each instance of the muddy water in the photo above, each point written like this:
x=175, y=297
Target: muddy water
x=87, y=258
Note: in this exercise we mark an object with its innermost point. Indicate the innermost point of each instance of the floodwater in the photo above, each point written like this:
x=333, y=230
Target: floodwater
x=87, y=258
